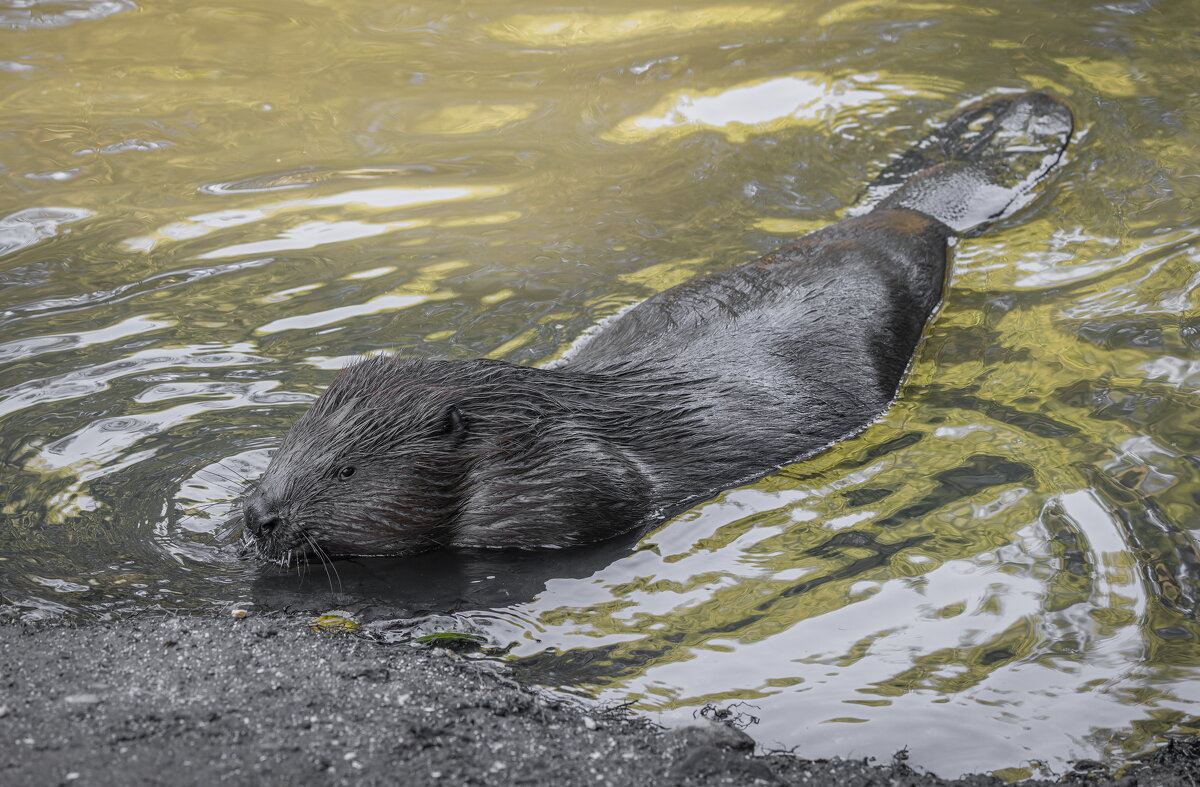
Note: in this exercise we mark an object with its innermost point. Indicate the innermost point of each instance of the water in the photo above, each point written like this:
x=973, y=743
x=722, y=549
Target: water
x=207, y=208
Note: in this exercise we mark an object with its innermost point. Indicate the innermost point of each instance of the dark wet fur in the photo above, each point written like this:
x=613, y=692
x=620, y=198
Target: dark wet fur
x=711, y=383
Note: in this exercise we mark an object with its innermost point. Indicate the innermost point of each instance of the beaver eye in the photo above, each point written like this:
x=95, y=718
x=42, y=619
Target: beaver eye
x=345, y=472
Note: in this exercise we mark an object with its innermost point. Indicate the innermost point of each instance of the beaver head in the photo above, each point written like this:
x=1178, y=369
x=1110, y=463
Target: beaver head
x=403, y=456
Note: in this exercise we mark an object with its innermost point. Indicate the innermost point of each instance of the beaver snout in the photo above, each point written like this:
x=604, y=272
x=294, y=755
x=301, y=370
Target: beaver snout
x=259, y=518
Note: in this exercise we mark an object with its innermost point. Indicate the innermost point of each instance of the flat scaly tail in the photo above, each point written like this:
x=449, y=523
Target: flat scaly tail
x=982, y=165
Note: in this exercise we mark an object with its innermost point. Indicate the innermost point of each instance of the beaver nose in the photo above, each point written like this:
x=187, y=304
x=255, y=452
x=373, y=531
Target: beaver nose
x=259, y=519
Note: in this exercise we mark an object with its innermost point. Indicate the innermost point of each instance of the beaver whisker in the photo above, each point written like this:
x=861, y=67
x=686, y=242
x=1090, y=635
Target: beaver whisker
x=329, y=562
x=326, y=563
x=205, y=506
x=219, y=478
x=226, y=486
x=246, y=545
x=224, y=466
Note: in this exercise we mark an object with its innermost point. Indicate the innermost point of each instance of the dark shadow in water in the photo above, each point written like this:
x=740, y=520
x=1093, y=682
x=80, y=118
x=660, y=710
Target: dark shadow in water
x=1168, y=556
x=870, y=455
x=979, y=472
x=443, y=582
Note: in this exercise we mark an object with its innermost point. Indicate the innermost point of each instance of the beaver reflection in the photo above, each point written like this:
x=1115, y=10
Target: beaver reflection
x=704, y=386
x=438, y=583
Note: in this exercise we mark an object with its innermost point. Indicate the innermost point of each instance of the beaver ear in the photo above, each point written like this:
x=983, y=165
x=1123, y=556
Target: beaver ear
x=455, y=424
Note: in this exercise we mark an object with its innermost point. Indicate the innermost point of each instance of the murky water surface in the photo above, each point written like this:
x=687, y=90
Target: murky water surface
x=209, y=207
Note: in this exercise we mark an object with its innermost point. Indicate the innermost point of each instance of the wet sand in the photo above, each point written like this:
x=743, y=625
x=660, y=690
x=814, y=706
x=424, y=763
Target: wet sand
x=266, y=700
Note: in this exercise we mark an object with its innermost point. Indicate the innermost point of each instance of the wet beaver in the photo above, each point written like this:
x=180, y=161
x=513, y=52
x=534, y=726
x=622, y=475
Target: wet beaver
x=701, y=387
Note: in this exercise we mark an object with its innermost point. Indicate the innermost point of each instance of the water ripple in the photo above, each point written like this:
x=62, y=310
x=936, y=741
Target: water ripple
x=27, y=227
x=32, y=14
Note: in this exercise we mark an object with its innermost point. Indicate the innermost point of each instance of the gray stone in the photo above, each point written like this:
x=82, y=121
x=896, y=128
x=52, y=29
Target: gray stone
x=705, y=732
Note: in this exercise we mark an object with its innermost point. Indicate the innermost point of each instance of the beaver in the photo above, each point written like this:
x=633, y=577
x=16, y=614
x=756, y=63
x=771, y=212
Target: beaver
x=702, y=387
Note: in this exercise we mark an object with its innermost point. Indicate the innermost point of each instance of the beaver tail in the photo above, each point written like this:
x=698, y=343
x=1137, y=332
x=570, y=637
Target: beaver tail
x=982, y=165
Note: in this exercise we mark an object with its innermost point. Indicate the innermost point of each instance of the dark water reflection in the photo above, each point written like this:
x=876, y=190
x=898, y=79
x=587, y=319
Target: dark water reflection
x=206, y=210
x=382, y=591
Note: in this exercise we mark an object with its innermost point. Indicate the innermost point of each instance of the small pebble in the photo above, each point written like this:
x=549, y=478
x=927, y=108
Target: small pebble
x=82, y=699
x=589, y=722
x=239, y=613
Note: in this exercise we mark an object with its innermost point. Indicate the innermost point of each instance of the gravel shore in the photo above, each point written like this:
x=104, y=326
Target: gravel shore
x=266, y=700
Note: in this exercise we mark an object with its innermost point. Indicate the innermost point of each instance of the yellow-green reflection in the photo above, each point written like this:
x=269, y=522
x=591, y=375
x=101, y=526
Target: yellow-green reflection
x=570, y=29
x=210, y=209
